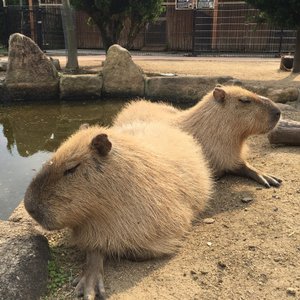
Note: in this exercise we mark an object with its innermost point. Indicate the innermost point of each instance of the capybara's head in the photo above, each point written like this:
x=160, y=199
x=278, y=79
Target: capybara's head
x=58, y=195
x=252, y=113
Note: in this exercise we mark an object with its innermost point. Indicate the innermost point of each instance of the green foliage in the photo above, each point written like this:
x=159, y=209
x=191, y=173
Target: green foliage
x=57, y=276
x=284, y=13
x=111, y=15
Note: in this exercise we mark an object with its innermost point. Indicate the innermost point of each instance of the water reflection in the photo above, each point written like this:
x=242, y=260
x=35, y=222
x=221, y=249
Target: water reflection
x=30, y=132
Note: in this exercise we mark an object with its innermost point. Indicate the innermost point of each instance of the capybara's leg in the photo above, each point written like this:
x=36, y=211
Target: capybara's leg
x=248, y=171
x=91, y=285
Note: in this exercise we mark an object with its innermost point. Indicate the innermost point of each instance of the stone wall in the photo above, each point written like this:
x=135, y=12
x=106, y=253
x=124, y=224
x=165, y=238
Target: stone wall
x=31, y=75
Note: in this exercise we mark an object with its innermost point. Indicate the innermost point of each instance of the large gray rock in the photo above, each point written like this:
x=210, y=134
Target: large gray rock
x=121, y=76
x=30, y=74
x=24, y=255
x=80, y=86
x=181, y=88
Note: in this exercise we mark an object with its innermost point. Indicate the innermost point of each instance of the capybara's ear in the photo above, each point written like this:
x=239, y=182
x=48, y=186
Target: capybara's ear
x=84, y=126
x=219, y=94
x=102, y=144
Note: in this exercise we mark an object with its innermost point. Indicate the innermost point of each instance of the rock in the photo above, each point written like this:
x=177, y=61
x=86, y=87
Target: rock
x=121, y=76
x=79, y=86
x=56, y=63
x=285, y=107
x=283, y=95
x=208, y=220
x=24, y=255
x=291, y=291
x=3, y=66
x=209, y=244
x=234, y=82
x=180, y=88
x=30, y=74
x=4, y=93
x=246, y=199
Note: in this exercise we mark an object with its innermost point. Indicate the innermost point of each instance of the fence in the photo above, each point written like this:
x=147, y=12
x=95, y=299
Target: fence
x=229, y=27
x=42, y=24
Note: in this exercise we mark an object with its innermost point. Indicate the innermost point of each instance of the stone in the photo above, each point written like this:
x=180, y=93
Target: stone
x=24, y=255
x=283, y=95
x=56, y=63
x=121, y=76
x=181, y=88
x=4, y=93
x=30, y=74
x=208, y=220
x=235, y=82
x=80, y=86
x=285, y=107
x=246, y=199
x=291, y=291
x=3, y=66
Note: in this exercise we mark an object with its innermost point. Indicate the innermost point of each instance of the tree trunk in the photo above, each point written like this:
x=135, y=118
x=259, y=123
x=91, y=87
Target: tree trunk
x=286, y=133
x=296, y=65
x=72, y=62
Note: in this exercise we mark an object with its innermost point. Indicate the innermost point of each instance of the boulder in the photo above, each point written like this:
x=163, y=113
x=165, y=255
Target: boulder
x=181, y=88
x=283, y=95
x=30, y=74
x=121, y=76
x=80, y=86
x=24, y=255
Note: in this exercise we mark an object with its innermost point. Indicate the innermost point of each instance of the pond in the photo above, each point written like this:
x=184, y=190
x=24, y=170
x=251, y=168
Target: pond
x=30, y=132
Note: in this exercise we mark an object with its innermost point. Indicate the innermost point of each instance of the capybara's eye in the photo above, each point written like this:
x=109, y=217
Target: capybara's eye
x=71, y=171
x=245, y=100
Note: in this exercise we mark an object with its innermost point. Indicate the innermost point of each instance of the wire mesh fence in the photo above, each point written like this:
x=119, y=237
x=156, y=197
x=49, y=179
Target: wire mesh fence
x=228, y=28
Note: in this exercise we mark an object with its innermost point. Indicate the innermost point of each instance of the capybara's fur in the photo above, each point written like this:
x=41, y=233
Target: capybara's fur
x=125, y=191
x=221, y=122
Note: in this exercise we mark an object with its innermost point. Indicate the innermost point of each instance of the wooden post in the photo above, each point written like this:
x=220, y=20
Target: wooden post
x=215, y=25
x=286, y=133
x=31, y=20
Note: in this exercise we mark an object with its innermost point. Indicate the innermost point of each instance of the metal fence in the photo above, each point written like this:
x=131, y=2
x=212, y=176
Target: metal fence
x=228, y=28
x=42, y=24
x=231, y=27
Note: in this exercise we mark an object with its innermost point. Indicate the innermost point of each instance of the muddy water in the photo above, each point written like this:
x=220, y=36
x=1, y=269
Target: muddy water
x=30, y=132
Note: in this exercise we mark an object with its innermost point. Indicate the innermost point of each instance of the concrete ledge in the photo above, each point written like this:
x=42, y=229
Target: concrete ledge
x=181, y=88
x=80, y=86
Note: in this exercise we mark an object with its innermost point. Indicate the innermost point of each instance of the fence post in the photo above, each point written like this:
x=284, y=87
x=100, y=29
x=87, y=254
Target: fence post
x=194, y=31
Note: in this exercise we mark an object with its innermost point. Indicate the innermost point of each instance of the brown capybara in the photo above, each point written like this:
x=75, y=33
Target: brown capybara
x=126, y=191
x=221, y=122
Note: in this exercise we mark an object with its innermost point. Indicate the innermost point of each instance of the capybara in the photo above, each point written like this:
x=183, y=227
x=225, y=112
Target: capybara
x=221, y=122
x=126, y=191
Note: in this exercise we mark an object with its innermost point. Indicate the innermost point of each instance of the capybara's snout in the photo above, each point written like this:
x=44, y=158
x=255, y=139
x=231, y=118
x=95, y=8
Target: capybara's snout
x=275, y=114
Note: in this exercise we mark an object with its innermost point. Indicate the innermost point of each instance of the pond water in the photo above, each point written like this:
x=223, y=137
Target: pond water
x=30, y=132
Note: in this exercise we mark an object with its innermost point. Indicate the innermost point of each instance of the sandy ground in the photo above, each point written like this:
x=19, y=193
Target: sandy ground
x=251, y=251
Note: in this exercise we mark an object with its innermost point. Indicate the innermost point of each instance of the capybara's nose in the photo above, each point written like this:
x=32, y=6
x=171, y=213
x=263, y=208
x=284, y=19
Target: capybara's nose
x=276, y=113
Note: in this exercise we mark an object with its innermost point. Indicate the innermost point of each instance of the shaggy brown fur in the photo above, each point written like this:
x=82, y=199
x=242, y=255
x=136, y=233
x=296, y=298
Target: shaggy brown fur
x=123, y=191
x=221, y=122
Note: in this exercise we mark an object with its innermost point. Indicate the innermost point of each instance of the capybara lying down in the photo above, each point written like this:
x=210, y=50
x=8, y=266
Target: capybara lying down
x=128, y=191
x=221, y=122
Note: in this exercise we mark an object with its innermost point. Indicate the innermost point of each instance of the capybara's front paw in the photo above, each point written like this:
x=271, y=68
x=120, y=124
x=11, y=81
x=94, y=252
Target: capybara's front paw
x=269, y=180
x=90, y=286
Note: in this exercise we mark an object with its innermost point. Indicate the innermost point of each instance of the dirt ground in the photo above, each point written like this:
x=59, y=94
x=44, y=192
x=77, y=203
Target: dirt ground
x=250, y=252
